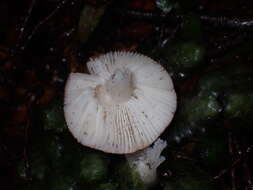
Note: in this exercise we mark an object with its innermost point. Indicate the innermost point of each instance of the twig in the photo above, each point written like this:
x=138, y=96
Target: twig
x=22, y=28
x=216, y=21
x=25, y=153
x=171, y=37
x=68, y=33
x=226, y=45
x=241, y=157
x=228, y=22
x=42, y=22
x=231, y=151
x=247, y=173
x=150, y=16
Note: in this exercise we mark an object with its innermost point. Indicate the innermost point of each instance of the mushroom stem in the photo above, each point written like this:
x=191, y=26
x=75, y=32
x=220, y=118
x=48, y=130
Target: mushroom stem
x=146, y=161
x=118, y=89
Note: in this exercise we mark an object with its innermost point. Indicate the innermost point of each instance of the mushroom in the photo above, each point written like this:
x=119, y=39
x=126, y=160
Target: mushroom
x=122, y=106
x=146, y=161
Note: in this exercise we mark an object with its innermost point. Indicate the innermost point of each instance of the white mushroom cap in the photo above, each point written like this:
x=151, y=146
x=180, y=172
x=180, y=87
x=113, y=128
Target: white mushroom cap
x=123, y=106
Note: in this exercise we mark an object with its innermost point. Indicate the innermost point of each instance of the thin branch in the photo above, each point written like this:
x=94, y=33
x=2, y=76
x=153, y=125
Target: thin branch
x=150, y=16
x=241, y=157
x=45, y=20
x=216, y=21
x=248, y=176
x=231, y=151
x=25, y=153
x=228, y=22
x=22, y=28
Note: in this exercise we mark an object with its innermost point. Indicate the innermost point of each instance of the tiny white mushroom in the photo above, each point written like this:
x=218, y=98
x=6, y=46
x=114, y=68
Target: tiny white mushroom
x=122, y=106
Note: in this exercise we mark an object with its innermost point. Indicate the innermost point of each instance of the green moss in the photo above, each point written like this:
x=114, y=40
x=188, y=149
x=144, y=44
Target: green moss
x=179, y=132
x=201, y=108
x=108, y=186
x=180, y=59
x=214, y=154
x=48, y=147
x=190, y=183
x=227, y=93
x=194, y=114
x=212, y=149
x=52, y=155
x=94, y=167
x=22, y=169
x=36, y=169
x=128, y=178
x=53, y=117
x=45, y=155
x=187, y=55
x=238, y=112
x=233, y=87
x=192, y=28
x=232, y=78
x=180, y=168
x=61, y=163
x=89, y=19
x=34, y=185
x=238, y=105
x=62, y=182
x=185, y=175
x=39, y=169
x=54, y=148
